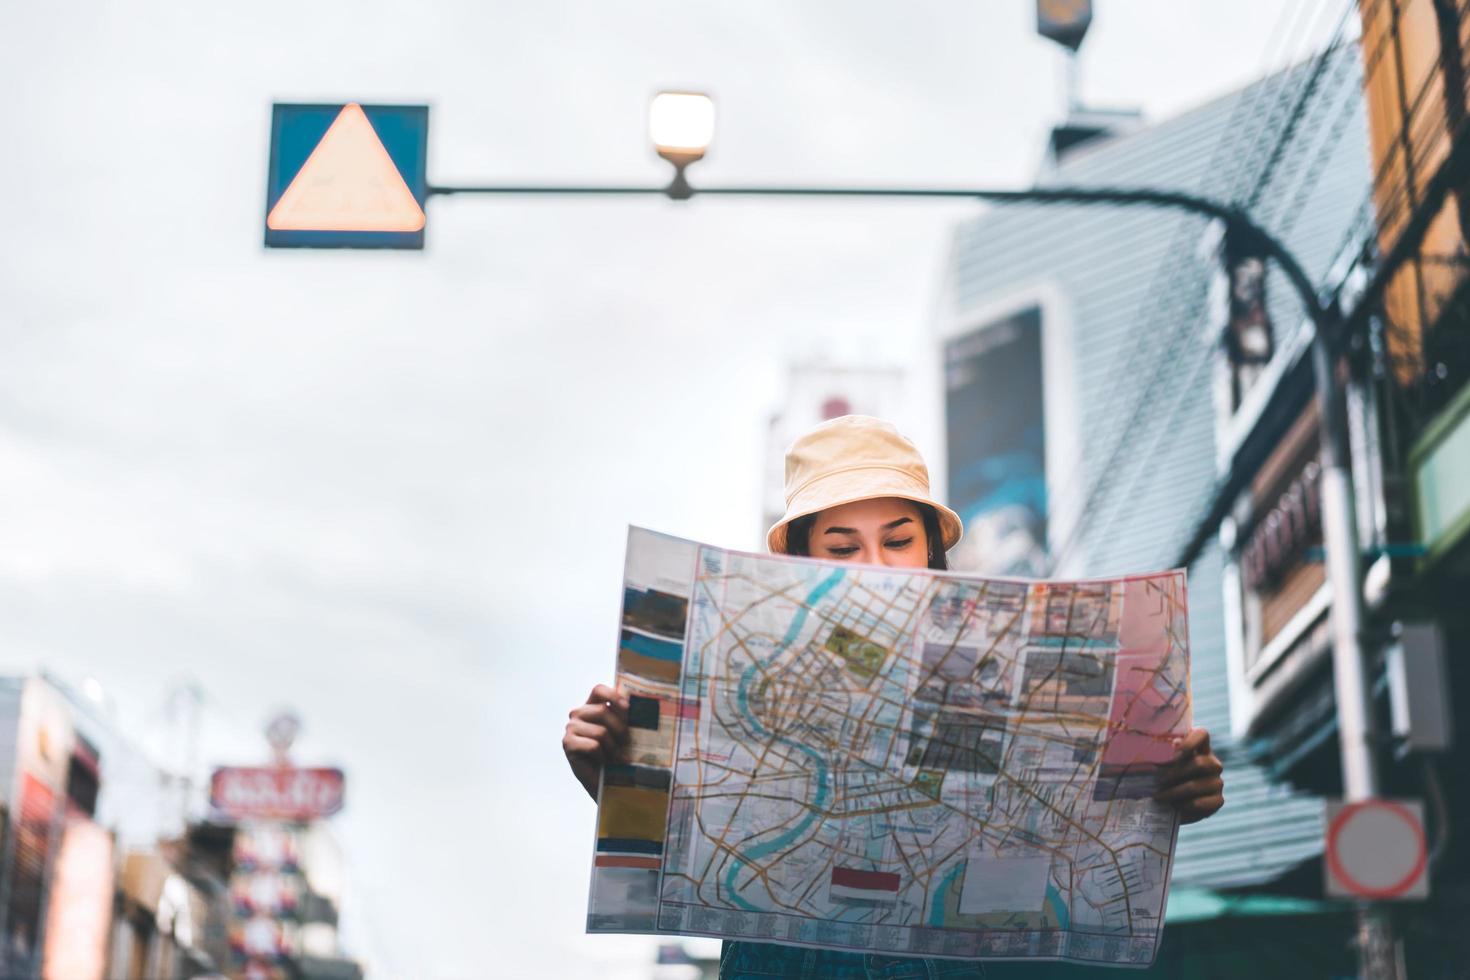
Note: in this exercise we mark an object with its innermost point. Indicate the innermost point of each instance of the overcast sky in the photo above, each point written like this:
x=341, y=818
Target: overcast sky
x=391, y=489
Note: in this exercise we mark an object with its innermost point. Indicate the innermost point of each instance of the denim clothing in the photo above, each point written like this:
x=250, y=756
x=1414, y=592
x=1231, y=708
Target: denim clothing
x=740, y=961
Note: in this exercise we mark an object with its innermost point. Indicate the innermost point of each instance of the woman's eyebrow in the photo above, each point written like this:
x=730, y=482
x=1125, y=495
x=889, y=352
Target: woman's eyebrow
x=886, y=527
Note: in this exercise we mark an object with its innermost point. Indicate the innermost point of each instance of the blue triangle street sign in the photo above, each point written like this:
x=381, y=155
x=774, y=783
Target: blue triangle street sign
x=347, y=176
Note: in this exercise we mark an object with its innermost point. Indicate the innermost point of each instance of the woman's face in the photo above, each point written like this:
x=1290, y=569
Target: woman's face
x=882, y=531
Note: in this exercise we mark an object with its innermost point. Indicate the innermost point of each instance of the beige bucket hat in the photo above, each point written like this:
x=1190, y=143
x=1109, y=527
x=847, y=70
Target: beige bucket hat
x=855, y=457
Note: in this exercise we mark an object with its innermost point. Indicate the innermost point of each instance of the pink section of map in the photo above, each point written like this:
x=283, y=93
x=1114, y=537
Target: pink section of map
x=1149, y=704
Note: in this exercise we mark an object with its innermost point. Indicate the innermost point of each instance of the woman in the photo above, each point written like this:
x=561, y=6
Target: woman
x=857, y=490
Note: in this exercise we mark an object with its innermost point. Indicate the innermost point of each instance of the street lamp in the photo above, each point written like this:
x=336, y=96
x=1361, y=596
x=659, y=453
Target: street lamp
x=688, y=134
x=681, y=126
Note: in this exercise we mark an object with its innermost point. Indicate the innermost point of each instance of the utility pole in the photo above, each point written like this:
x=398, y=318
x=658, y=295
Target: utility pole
x=1356, y=727
x=184, y=708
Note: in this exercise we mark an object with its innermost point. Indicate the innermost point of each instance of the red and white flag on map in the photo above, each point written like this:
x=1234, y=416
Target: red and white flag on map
x=850, y=884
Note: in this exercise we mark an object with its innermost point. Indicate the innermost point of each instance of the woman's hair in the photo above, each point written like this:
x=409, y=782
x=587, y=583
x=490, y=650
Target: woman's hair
x=799, y=536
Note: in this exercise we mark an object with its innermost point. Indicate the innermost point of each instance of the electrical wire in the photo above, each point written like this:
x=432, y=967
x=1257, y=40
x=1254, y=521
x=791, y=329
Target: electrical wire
x=1184, y=299
x=1438, y=809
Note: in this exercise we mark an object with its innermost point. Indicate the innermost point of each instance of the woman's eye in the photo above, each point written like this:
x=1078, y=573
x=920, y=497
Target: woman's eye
x=841, y=552
x=900, y=543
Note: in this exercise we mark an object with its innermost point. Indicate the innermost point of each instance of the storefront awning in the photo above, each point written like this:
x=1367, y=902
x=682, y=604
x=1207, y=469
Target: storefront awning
x=1190, y=905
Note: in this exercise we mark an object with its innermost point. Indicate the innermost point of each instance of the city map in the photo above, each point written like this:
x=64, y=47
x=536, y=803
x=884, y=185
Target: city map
x=895, y=761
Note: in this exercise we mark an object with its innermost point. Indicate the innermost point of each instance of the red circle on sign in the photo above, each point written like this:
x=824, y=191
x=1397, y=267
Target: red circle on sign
x=1367, y=891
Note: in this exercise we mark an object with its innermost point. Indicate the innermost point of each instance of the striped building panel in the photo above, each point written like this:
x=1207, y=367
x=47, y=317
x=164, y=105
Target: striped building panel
x=1136, y=285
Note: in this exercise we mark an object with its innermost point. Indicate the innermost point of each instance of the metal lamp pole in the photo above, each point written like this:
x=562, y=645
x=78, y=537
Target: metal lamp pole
x=1355, y=721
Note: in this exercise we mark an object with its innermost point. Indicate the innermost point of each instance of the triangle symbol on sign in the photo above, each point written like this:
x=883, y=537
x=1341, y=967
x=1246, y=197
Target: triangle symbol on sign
x=349, y=183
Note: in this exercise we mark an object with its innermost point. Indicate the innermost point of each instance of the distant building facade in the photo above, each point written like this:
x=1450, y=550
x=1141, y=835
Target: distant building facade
x=103, y=875
x=1177, y=373
x=1400, y=280
x=815, y=392
x=92, y=884
x=1076, y=356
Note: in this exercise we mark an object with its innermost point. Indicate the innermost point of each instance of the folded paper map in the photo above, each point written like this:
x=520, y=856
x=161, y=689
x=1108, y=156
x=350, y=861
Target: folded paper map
x=895, y=761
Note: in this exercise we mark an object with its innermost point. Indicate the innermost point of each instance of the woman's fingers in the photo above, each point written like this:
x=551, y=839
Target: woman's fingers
x=1197, y=742
x=1200, y=807
x=602, y=694
x=587, y=748
x=1191, y=790
x=1195, y=767
x=605, y=706
x=605, y=716
x=601, y=739
x=581, y=751
x=595, y=734
x=1191, y=782
x=1193, y=759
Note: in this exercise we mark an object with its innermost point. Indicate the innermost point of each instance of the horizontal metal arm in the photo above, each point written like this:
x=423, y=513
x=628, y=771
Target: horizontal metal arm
x=511, y=190
x=1238, y=220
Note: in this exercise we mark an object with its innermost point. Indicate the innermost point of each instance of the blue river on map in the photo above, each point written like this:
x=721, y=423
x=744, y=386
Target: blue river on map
x=759, y=851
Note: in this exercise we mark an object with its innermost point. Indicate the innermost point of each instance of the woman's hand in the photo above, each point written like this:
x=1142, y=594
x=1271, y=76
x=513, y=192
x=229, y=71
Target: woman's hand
x=1191, y=782
x=596, y=735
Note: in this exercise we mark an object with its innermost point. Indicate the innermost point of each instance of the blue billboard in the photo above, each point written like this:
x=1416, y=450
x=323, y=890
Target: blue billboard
x=996, y=445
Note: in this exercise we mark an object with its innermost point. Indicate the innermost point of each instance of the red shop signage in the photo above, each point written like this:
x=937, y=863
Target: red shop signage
x=276, y=793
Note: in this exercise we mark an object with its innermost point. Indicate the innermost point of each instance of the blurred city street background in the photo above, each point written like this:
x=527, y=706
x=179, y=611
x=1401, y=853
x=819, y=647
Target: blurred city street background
x=388, y=490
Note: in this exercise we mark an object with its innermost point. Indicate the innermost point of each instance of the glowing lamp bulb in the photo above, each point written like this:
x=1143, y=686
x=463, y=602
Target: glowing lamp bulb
x=681, y=125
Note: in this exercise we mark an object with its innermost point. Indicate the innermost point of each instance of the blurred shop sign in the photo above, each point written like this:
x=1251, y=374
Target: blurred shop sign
x=1064, y=21
x=276, y=793
x=347, y=176
x=1376, y=849
x=178, y=907
x=80, y=907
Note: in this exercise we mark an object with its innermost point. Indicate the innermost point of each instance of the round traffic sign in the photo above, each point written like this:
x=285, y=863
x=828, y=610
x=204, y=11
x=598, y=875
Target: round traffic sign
x=1376, y=848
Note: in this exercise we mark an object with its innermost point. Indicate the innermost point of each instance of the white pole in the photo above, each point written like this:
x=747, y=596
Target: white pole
x=1377, y=958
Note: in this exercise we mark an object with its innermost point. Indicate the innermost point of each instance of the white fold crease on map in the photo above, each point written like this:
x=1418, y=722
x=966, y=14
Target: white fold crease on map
x=893, y=761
